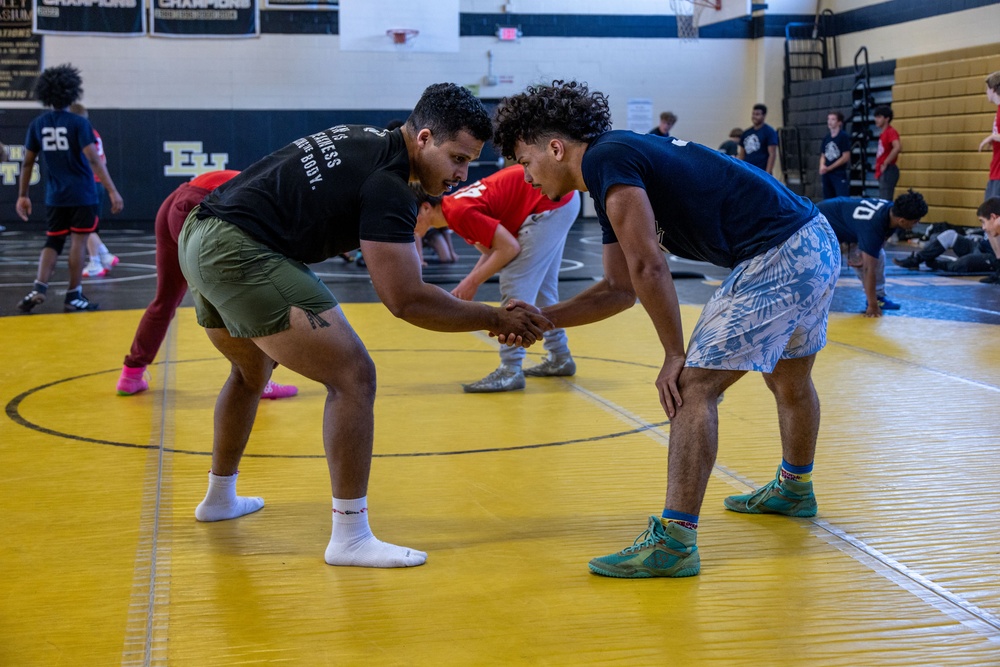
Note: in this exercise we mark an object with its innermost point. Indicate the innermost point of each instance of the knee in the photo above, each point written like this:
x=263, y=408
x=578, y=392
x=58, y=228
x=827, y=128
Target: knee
x=252, y=378
x=355, y=376
x=789, y=391
x=56, y=243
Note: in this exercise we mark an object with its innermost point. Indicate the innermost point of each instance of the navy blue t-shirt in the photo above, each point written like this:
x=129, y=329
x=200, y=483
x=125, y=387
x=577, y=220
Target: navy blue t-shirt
x=58, y=138
x=834, y=148
x=861, y=221
x=708, y=206
x=755, y=143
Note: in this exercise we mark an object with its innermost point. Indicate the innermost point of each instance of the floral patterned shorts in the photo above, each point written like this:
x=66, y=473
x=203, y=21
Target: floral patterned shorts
x=773, y=306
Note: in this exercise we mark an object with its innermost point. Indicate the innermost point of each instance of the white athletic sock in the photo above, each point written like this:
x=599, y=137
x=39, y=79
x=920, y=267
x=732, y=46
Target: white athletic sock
x=352, y=541
x=221, y=501
x=102, y=250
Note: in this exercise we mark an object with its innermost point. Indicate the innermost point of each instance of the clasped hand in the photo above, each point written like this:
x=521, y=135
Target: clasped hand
x=520, y=324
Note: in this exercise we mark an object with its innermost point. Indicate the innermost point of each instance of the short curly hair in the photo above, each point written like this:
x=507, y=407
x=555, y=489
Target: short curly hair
x=566, y=108
x=58, y=87
x=910, y=205
x=446, y=109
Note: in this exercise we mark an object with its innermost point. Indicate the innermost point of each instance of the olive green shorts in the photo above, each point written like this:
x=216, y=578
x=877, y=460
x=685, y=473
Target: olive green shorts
x=241, y=284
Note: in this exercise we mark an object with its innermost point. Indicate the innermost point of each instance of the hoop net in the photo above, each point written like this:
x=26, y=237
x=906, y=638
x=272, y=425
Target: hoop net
x=688, y=13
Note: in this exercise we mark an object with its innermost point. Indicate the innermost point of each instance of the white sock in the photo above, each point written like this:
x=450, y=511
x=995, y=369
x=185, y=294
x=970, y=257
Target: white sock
x=95, y=259
x=103, y=250
x=352, y=541
x=221, y=501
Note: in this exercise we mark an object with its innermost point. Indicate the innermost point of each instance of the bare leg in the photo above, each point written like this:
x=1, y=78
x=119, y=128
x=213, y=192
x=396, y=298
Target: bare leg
x=325, y=348
x=798, y=408
x=46, y=265
x=77, y=259
x=694, y=437
x=235, y=410
x=236, y=407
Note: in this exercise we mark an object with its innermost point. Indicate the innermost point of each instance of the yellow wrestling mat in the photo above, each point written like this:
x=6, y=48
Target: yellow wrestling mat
x=103, y=563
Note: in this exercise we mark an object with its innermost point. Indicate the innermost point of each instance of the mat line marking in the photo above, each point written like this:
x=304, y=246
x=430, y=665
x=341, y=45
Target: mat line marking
x=151, y=580
x=979, y=620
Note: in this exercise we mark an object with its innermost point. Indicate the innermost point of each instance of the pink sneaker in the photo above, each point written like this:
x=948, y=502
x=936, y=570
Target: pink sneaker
x=132, y=381
x=109, y=261
x=275, y=390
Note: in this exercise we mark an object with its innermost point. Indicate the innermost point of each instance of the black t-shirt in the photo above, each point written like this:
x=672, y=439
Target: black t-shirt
x=320, y=195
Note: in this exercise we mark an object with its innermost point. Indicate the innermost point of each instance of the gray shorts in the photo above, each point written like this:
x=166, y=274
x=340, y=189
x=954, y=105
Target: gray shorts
x=241, y=284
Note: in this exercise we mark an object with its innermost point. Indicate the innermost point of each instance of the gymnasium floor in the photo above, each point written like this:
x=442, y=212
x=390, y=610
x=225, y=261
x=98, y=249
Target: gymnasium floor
x=511, y=494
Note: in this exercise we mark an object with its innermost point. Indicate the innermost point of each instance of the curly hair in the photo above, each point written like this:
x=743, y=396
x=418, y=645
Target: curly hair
x=446, y=109
x=566, y=108
x=910, y=205
x=58, y=87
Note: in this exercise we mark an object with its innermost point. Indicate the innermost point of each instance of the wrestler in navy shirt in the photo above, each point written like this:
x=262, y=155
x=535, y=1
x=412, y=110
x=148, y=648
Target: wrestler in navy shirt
x=708, y=206
x=861, y=221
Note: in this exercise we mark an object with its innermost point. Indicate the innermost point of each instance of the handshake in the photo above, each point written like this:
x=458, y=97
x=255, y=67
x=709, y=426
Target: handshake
x=519, y=323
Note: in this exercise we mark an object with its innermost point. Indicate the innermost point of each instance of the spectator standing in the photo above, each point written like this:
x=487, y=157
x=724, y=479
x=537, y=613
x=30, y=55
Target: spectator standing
x=889, y=146
x=667, y=121
x=731, y=146
x=759, y=143
x=993, y=95
x=835, y=158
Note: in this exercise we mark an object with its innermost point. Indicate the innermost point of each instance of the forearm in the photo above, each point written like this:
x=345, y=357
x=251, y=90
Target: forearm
x=102, y=173
x=430, y=307
x=598, y=302
x=24, y=182
x=658, y=297
x=840, y=162
x=489, y=264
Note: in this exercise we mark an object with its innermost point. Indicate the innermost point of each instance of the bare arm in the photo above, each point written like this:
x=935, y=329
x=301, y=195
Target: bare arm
x=635, y=265
x=23, y=205
x=897, y=146
x=772, y=155
x=869, y=265
x=395, y=272
x=117, y=203
x=740, y=153
x=989, y=140
x=503, y=249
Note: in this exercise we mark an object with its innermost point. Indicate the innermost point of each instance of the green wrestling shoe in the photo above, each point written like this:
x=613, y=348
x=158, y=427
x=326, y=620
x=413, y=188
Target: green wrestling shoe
x=659, y=552
x=776, y=497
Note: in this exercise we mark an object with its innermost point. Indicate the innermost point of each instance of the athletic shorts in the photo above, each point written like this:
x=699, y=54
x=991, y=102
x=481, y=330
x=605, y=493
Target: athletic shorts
x=65, y=219
x=773, y=306
x=241, y=284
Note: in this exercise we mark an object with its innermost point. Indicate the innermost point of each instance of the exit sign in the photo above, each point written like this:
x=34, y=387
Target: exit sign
x=508, y=34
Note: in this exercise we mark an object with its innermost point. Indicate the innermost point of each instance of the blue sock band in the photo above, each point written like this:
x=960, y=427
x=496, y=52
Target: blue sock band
x=679, y=516
x=796, y=470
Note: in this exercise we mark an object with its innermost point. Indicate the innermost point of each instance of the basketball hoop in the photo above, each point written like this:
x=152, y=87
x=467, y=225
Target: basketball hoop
x=401, y=35
x=688, y=13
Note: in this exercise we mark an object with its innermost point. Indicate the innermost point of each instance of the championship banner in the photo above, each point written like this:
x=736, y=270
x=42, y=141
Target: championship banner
x=90, y=17
x=20, y=51
x=328, y=5
x=205, y=18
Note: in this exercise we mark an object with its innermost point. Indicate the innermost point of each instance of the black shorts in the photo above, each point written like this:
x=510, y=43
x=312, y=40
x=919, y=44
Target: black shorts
x=77, y=219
